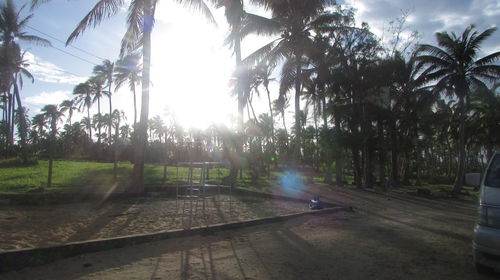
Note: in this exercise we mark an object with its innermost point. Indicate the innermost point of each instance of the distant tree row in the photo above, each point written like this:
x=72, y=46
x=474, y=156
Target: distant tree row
x=405, y=113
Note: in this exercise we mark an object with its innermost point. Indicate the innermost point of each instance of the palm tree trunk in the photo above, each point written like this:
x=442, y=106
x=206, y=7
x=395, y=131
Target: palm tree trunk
x=90, y=127
x=457, y=186
x=236, y=164
x=110, y=113
x=323, y=111
x=339, y=161
x=51, y=151
x=115, y=150
x=297, y=146
x=394, y=154
x=22, y=125
x=135, y=104
x=356, y=165
x=99, y=121
x=381, y=153
x=140, y=149
x=271, y=114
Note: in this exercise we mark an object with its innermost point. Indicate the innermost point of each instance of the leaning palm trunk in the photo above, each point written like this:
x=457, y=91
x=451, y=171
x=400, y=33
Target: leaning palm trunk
x=142, y=137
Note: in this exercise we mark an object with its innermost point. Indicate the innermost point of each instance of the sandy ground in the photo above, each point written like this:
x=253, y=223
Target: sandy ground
x=38, y=226
x=386, y=237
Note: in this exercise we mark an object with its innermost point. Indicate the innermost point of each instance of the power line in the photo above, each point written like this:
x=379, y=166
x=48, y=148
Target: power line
x=57, y=69
x=75, y=56
x=61, y=41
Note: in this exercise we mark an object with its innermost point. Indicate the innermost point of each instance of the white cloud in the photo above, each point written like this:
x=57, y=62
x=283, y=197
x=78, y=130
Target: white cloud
x=48, y=72
x=46, y=98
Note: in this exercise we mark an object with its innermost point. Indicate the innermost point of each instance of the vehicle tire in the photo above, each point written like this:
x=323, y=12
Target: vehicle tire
x=482, y=269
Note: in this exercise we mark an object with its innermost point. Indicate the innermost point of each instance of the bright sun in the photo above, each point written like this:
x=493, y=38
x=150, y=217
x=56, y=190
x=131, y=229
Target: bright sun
x=191, y=69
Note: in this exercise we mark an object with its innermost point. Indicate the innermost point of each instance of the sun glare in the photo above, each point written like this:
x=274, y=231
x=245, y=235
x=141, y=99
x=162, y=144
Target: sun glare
x=191, y=69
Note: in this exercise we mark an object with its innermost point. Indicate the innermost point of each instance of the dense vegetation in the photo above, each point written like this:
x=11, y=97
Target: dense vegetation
x=389, y=115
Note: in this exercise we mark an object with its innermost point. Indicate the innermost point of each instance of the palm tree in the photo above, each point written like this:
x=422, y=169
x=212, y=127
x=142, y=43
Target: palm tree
x=52, y=113
x=294, y=21
x=69, y=105
x=140, y=22
x=87, y=123
x=39, y=124
x=11, y=31
x=18, y=70
x=96, y=88
x=83, y=98
x=455, y=69
x=115, y=118
x=105, y=71
x=128, y=69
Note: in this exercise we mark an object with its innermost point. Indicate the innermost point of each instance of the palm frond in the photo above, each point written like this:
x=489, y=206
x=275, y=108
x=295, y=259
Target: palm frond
x=36, y=3
x=261, y=53
x=102, y=10
x=490, y=70
x=35, y=39
x=488, y=59
x=435, y=52
x=483, y=36
x=324, y=20
x=200, y=6
x=262, y=26
x=135, y=22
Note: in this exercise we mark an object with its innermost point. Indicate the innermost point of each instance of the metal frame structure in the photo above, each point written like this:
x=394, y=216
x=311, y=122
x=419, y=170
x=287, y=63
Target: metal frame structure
x=196, y=187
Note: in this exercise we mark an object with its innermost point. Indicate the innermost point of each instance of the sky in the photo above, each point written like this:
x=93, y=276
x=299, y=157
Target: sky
x=191, y=66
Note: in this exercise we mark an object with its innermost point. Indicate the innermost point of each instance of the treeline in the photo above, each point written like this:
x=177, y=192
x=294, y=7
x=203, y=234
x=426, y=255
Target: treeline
x=364, y=114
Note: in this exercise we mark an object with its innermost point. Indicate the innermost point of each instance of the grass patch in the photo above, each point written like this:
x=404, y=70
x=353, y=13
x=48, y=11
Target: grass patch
x=86, y=176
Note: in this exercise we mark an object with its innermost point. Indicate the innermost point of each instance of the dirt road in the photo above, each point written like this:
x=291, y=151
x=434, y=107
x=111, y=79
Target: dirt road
x=386, y=237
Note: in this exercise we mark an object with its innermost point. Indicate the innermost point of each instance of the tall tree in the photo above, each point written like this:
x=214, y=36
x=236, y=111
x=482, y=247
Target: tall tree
x=70, y=106
x=128, y=69
x=105, y=71
x=96, y=85
x=83, y=98
x=12, y=27
x=140, y=22
x=294, y=21
x=456, y=71
x=52, y=114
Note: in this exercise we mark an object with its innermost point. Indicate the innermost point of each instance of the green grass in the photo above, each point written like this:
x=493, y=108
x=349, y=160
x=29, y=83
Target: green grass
x=85, y=176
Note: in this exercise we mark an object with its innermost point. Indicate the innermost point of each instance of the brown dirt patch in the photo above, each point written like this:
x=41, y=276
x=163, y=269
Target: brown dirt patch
x=37, y=226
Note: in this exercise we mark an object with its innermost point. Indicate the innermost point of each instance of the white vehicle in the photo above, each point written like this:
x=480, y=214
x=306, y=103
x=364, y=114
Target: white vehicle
x=486, y=242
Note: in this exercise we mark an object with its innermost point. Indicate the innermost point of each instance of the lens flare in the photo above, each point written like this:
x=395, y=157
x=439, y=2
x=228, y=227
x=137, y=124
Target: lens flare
x=291, y=182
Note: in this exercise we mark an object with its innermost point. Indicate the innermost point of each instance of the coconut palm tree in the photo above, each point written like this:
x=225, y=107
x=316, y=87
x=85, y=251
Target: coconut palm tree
x=38, y=124
x=295, y=21
x=83, y=99
x=456, y=70
x=69, y=105
x=53, y=114
x=128, y=69
x=105, y=71
x=12, y=27
x=18, y=70
x=140, y=22
x=96, y=85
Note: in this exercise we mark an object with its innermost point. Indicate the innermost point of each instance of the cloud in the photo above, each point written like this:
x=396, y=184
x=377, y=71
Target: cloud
x=430, y=16
x=46, y=98
x=48, y=72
